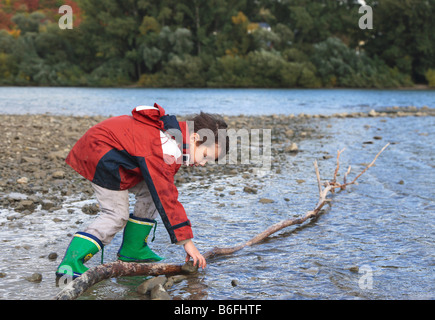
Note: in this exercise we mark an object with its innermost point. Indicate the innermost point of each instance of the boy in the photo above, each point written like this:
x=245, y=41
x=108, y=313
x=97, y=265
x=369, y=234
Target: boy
x=139, y=154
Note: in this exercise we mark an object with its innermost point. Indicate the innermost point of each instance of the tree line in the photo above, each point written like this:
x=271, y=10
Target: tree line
x=218, y=43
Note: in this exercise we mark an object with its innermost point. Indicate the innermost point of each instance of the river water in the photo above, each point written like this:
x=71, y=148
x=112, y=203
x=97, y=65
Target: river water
x=97, y=101
x=375, y=240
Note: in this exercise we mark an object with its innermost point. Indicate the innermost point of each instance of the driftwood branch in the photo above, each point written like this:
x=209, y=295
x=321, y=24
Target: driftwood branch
x=323, y=192
x=344, y=185
x=113, y=270
x=118, y=269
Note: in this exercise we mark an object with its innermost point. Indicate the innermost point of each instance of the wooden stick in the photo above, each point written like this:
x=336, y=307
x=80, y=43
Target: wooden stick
x=345, y=177
x=319, y=185
x=310, y=214
x=117, y=269
x=343, y=186
x=113, y=270
x=371, y=163
x=338, y=165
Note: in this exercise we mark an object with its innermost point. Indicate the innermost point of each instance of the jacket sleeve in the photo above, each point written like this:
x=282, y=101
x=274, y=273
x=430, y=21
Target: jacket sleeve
x=159, y=178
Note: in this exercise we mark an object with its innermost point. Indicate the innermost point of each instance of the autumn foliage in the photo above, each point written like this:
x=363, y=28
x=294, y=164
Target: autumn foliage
x=217, y=43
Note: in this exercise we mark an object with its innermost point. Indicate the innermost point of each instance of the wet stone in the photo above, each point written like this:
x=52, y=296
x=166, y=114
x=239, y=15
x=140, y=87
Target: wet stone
x=188, y=267
x=47, y=204
x=146, y=286
x=58, y=174
x=265, y=200
x=250, y=190
x=177, y=278
x=36, y=277
x=91, y=209
x=354, y=269
x=293, y=147
x=168, y=284
x=23, y=180
x=25, y=205
x=159, y=293
x=13, y=216
x=52, y=256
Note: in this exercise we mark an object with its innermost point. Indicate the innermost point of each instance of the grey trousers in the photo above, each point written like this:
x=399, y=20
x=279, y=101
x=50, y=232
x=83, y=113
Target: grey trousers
x=114, y=210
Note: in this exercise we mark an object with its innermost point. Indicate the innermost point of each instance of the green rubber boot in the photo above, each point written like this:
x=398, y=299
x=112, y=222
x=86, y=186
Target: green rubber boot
x=134, y=246
x=82, y=247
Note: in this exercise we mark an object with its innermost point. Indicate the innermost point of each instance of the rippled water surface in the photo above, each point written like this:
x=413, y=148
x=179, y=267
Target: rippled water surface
x=101, y=101
x=375, y=240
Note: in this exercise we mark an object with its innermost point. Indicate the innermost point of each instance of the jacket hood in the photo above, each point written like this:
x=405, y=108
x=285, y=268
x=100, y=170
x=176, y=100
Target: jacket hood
x=155, y=116
x=149, y=115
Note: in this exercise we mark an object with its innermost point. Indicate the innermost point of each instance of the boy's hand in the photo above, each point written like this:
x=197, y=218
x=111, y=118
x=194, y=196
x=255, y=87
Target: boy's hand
x=192, y=252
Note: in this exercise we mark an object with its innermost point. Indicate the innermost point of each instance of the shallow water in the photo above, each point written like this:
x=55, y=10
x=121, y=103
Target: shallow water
x=119, y=101
x=381, y=226
x=375, y=240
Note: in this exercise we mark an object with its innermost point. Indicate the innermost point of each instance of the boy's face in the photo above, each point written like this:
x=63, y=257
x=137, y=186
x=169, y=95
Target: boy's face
x=200, y=155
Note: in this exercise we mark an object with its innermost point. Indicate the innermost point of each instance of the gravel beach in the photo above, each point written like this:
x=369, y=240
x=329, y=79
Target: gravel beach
x=34, y=175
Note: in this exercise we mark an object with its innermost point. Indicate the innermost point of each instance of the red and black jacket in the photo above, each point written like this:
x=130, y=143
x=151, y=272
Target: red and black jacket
x=121, y=151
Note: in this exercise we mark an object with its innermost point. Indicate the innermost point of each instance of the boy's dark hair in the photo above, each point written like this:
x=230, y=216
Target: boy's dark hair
x=212, y=122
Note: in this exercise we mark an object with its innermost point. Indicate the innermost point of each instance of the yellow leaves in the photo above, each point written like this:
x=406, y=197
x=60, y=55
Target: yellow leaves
x=149, y=24
x=240, y=18
x=42, y=28
x=149, y=80
x=4, y=65
x=333, y=81
x=430, y=77
x=252, y=27
x=231, y=52
x=15, y=33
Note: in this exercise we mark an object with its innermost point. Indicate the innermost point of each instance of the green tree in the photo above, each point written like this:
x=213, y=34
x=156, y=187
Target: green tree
x=339, y=65
x=264, y=68
x=8, y=62
x=185, y=71
x=403, y=35
x=285, y=37
x=29, y=22
x=218, y=43
x=208, y=20
x=430, y=77
x=113, y=29
x=229, y=71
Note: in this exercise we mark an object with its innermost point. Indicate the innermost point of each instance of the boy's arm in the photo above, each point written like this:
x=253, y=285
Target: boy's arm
x=159, y=178
x=160, y=182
